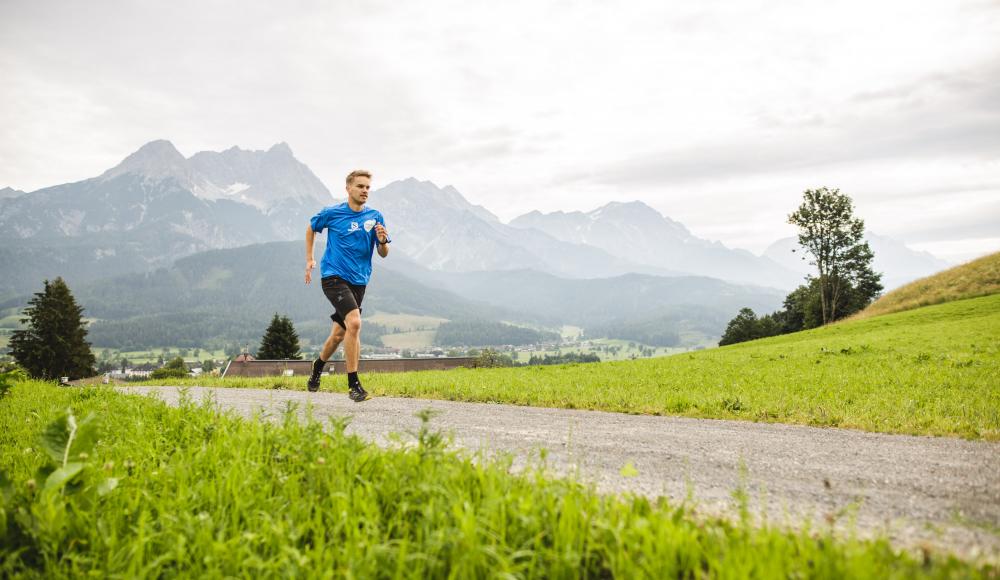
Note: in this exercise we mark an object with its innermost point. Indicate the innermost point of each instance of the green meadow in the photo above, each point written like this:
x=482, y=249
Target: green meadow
x=930, y=371
x=94, y=483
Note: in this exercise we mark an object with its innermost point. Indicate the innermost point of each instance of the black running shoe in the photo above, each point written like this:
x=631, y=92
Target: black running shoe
x=357, y=393
x=313, y=383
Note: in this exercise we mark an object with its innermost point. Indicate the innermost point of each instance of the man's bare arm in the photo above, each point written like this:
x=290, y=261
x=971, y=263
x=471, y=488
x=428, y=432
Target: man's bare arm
x=381, y=236
x=310, y=261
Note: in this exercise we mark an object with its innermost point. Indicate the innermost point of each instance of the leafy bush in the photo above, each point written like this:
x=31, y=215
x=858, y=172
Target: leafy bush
x=10, y=373
x=558, y=359
x=490, y=358
x=173, y=369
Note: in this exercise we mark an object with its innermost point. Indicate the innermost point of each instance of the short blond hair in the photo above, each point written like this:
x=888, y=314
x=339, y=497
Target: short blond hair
x=358, y=173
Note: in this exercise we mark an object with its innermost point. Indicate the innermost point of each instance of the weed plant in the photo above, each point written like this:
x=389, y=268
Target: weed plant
x=930, y=371
x=159, y=491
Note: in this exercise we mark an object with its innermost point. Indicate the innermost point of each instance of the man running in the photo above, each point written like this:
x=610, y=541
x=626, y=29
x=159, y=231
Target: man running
x=353, y=232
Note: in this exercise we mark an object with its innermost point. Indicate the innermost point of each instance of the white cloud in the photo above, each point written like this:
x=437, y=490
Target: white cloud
x=717, y=114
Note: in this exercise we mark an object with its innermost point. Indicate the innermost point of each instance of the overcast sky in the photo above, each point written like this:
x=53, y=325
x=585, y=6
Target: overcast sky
x=718, y=114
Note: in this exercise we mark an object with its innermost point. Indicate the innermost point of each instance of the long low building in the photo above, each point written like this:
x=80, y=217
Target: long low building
x=242, y=367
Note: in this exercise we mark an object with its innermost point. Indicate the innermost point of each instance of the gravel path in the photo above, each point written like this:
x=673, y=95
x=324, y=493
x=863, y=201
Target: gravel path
x=940, y=493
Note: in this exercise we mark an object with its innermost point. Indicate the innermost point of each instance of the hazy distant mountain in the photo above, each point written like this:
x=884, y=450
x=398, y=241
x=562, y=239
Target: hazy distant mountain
x=898, y=263
x=230, y=295
x=441, y=230
x=637, y=232
x=587, y=302
x=152, y=208
x=8, y=192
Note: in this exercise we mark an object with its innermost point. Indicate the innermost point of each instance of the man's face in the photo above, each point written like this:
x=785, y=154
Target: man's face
x=358, y=190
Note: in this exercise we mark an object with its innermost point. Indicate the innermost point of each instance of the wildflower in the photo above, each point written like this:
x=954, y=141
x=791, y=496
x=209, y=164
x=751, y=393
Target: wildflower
x=31, y=485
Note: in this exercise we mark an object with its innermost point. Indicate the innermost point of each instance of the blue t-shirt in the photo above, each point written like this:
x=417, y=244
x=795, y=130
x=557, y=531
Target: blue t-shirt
x=350, y=241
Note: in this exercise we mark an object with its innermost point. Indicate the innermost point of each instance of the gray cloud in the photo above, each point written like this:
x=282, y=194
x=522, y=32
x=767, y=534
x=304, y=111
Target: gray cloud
x=714, y=112
x=941, y=116
x=981, y=221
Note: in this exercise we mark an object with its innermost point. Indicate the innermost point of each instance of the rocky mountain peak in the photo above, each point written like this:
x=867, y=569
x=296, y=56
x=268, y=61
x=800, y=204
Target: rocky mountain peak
x=416, y=194
x=156, y=159
x=281, y=149
x=10, y=192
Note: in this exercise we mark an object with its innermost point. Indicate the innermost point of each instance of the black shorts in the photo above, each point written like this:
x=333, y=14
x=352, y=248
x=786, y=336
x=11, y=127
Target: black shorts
x=344, y=296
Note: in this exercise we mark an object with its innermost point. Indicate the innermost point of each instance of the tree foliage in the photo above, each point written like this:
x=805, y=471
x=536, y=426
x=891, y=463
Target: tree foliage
x=54, y=341
x=846, y=283
x=563, y=358
x=175, y=368
x=280, y=340
x=490, y=358
x=834, y=238
x=801, y=310
x=742, y=328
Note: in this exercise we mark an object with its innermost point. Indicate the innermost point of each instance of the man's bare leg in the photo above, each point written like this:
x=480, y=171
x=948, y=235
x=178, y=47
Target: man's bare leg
x=332, y=342
x=329, y=347
x=352, y=340
x=352, y=352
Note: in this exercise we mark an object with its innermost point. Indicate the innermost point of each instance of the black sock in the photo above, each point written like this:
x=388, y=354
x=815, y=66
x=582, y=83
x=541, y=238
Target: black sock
x=352, y=379
x=318, y=365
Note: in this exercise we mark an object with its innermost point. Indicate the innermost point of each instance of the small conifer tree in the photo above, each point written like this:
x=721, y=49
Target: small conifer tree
x=280, y=340
x=54, y=342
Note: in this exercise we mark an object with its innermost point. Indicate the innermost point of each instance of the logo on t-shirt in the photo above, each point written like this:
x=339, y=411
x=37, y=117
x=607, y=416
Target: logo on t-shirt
x=369, y=224
x=354, y=227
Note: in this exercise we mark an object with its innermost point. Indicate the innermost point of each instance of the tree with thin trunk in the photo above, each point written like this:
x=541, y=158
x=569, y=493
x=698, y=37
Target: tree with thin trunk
x=834, y=238
x=280, y=340
x=54, y=341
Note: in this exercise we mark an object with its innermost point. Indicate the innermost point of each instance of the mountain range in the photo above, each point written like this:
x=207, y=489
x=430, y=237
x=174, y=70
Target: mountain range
x=634, y=231
x=621, y=263
x=226, y=296
x=152, y=208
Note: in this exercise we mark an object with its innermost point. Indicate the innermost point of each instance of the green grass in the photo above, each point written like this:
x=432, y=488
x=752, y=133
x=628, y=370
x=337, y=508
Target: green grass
x=415, y=331
x=410, y=340
x=157, y=491
x=406, y=322
x=930, y=371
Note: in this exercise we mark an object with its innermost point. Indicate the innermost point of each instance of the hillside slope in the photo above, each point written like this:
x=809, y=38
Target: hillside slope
x=979, y=277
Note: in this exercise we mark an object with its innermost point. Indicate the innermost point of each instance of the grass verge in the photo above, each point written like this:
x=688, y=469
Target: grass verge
x=930, y=371
x=127, y=486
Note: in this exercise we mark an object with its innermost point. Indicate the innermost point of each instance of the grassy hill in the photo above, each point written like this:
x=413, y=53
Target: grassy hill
x=979, y=277
x=932, y=371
